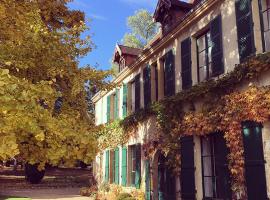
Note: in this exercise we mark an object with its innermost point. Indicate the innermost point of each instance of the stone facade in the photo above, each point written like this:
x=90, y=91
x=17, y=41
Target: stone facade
x=193, y=24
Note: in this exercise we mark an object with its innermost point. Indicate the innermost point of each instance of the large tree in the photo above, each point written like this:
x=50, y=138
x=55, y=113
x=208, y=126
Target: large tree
x=142, y=29
x=43, y=108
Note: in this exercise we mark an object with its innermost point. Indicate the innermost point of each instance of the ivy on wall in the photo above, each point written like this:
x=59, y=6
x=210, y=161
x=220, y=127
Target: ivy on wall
x=223, y=110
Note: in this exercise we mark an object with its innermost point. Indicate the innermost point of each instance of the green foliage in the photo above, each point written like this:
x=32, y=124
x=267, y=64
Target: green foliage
x=104, y=187
x=130, y=198
x=131, y=40
x=123, y=196
x=142, y=29
x=40, y=43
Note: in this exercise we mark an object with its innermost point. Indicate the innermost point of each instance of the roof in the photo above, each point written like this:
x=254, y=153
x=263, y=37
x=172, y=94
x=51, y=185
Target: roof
x=125, y=50
x=129, y=50
x=170, y=3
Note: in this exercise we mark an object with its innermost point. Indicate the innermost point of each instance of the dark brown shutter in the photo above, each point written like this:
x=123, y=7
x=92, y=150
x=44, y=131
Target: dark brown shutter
x=186, y=63
x=187, y=177
x=137, y=92
x=223, y=181
x=244, y=24
x=217, y=49
x=169, y=74
x=147, y=85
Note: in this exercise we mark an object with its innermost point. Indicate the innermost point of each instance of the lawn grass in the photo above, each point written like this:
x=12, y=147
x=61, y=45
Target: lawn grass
x=13, y=198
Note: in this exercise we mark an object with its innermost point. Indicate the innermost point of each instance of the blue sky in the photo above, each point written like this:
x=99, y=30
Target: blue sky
x=108, y=25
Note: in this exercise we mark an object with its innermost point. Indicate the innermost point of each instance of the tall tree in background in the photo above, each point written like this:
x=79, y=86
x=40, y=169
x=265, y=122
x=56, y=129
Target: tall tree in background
x=142, y=29
x=43, y=108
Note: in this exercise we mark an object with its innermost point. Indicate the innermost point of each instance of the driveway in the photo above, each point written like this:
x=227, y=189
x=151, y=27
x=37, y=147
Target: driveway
x=46, y=194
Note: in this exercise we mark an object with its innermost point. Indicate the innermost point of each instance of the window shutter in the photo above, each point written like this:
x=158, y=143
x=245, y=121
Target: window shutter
x=223, y=182
x=137, y=92
x=138, y=166
x=217, y=48
x=124, y=166
x=187, y=177
x=116, y=166
x=124, y=100
x=186, y=64
x=169, y=76
x=244, y=24
x=107, y=166
x=147, y=85
x=116, y=105
x=147, y=180
x=108, y=108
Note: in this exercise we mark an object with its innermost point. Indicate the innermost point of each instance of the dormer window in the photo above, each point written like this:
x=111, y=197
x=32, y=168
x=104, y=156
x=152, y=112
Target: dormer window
x=124, y=56
x=168, y=12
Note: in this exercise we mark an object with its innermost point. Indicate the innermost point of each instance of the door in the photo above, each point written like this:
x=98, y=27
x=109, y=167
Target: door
x=166, y=181
x=254, y=161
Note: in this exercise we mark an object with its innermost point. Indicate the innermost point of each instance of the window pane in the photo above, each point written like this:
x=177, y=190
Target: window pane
x=202, y=58
x=267, y=40
x=203, y=73
x=208, y=187
x=201, y=43
x=207, y=166
x=209, y=42
x=206, y=147
x=265, y=21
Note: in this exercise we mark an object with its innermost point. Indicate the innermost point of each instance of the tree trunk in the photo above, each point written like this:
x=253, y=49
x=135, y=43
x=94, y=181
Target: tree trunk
x=32, y=174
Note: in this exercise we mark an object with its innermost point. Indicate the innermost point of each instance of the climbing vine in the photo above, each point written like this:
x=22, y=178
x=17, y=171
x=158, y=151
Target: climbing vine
x=223, y=110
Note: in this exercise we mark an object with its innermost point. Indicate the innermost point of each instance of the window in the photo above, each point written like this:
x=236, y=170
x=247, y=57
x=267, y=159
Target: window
x=265, y=14
x=210, y=51
x=134, y=168
x=147, y=85
x=244, y=22
x=204, y=47
x=169, y=74
x=216, y=177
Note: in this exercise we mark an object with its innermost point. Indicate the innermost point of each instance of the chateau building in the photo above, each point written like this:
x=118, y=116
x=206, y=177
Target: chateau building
x=198, y=42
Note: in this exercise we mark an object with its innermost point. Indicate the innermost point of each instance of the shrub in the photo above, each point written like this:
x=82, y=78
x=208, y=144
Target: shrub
x=123, y=196
x=104, y=187
x=130, y=198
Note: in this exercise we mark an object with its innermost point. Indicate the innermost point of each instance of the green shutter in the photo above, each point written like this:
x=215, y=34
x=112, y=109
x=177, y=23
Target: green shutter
x=244, y=24
x=116, y=104
x=116, y=166
x=138, y=166
x=108, y=108
x=147, y=180
x=186, y=63
x=217, y=49
x=124, y=166
x=124, y=100
x=107, y=166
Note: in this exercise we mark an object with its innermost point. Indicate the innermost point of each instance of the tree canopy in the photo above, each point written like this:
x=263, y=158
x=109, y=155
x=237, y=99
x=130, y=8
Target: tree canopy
x=142, y=29
x=43, y=112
